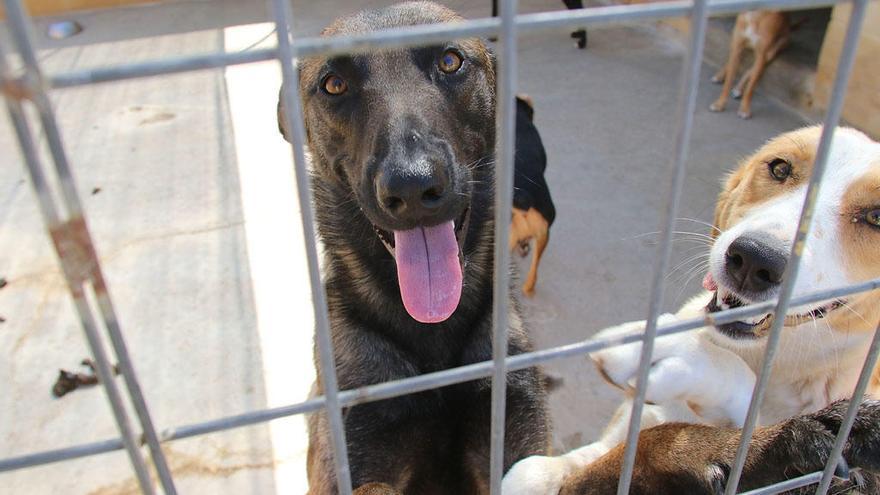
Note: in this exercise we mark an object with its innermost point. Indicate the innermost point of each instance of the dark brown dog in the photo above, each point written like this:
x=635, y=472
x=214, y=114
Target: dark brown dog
x=402, y=147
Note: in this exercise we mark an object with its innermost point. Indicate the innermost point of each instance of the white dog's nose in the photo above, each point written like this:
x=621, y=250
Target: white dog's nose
x=755, y=262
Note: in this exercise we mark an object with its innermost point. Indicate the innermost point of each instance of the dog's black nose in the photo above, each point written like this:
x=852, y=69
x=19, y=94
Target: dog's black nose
x=755, y=263
x=412, y=192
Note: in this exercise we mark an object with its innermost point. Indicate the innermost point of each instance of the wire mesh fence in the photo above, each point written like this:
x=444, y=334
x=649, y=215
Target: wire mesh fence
x=68, y=229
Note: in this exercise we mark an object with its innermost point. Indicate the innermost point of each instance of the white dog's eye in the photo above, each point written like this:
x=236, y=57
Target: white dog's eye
x=873, y=217
x=779, y=169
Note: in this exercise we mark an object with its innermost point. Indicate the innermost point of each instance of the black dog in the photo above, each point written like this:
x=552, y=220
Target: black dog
x=402, y=147
x=533, y=210
x=580, y=35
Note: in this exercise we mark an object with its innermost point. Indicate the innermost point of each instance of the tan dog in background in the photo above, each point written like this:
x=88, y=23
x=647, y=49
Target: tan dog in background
x=764, y=31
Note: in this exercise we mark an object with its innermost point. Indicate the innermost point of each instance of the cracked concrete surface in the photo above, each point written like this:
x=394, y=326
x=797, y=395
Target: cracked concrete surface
x=176, y=239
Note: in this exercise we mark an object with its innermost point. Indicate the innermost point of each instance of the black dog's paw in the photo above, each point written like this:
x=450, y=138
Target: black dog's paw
x=802, y=445
x=581, y=36
x=810, y=439
x=862, y=448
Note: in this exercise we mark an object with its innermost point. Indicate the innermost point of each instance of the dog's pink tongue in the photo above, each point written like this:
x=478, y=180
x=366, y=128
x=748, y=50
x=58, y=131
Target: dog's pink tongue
x=429, y=271
x=709, y=283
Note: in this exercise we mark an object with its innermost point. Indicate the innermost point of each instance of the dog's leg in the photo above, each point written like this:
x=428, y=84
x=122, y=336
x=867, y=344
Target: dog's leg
x=686, y=367
x=688, y=458
x=738, y=90
x=519, y=232
x=581, y=34
x=737, y=45
x=771, y=54
x=541, y=230
x=718, y=77
x=757, y=70
x=546, y=474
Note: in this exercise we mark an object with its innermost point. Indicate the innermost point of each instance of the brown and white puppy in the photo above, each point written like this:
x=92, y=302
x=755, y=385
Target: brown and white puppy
x=533, y=210
x=764, y=31
x=708, y=376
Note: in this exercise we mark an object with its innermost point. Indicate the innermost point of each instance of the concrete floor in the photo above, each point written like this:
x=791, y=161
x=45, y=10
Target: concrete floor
x=198, y=234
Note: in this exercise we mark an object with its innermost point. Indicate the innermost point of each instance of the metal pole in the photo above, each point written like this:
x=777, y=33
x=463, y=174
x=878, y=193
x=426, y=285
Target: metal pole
x=504, y=148
x=687, y=101
x=293, y=114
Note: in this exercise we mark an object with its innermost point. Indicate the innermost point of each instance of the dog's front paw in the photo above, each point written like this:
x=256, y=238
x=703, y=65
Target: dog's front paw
x=619, y=364
x=717, y=106
x=744, y=114
x=535, y=475
x=805, y=443
x=862, y=448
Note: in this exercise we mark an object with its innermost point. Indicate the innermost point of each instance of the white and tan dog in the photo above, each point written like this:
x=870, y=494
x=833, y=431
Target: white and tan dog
x=707, y=376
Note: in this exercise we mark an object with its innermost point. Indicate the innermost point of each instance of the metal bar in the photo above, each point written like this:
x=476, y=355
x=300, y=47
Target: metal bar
x=832, y=118
x=687, y=101
x=505, y=128
x=126, y=369
x=86, y=266
x=106, y=378
x=293, y=113
x=782, y=486
x=64, y=454
x=851, y=411
x=420, y=35
x=57, y=231
x=161, y=67
x=438, y=379
x=240, y=420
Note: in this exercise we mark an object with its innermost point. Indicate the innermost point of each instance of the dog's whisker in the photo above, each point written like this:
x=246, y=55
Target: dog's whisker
x=683, y=285
x=681, y=236
x=849, y=308
x=688, y=261
x=685, y=278
x=707, y=224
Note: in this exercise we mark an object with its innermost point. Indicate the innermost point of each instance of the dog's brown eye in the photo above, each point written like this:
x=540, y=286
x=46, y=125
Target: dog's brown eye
x=873, y=217
x=780, y=169
x=335, y=85
x=450, y=61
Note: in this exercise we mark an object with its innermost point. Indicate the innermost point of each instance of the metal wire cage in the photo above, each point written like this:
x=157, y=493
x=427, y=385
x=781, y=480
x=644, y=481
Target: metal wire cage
x=68, y=230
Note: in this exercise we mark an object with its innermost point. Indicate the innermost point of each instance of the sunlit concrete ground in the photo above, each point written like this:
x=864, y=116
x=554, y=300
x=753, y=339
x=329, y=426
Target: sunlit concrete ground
x=188, y=191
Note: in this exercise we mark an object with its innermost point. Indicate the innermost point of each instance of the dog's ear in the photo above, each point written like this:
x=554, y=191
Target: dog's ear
x=527, y=105
x=725, y=198
x=283, y=125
